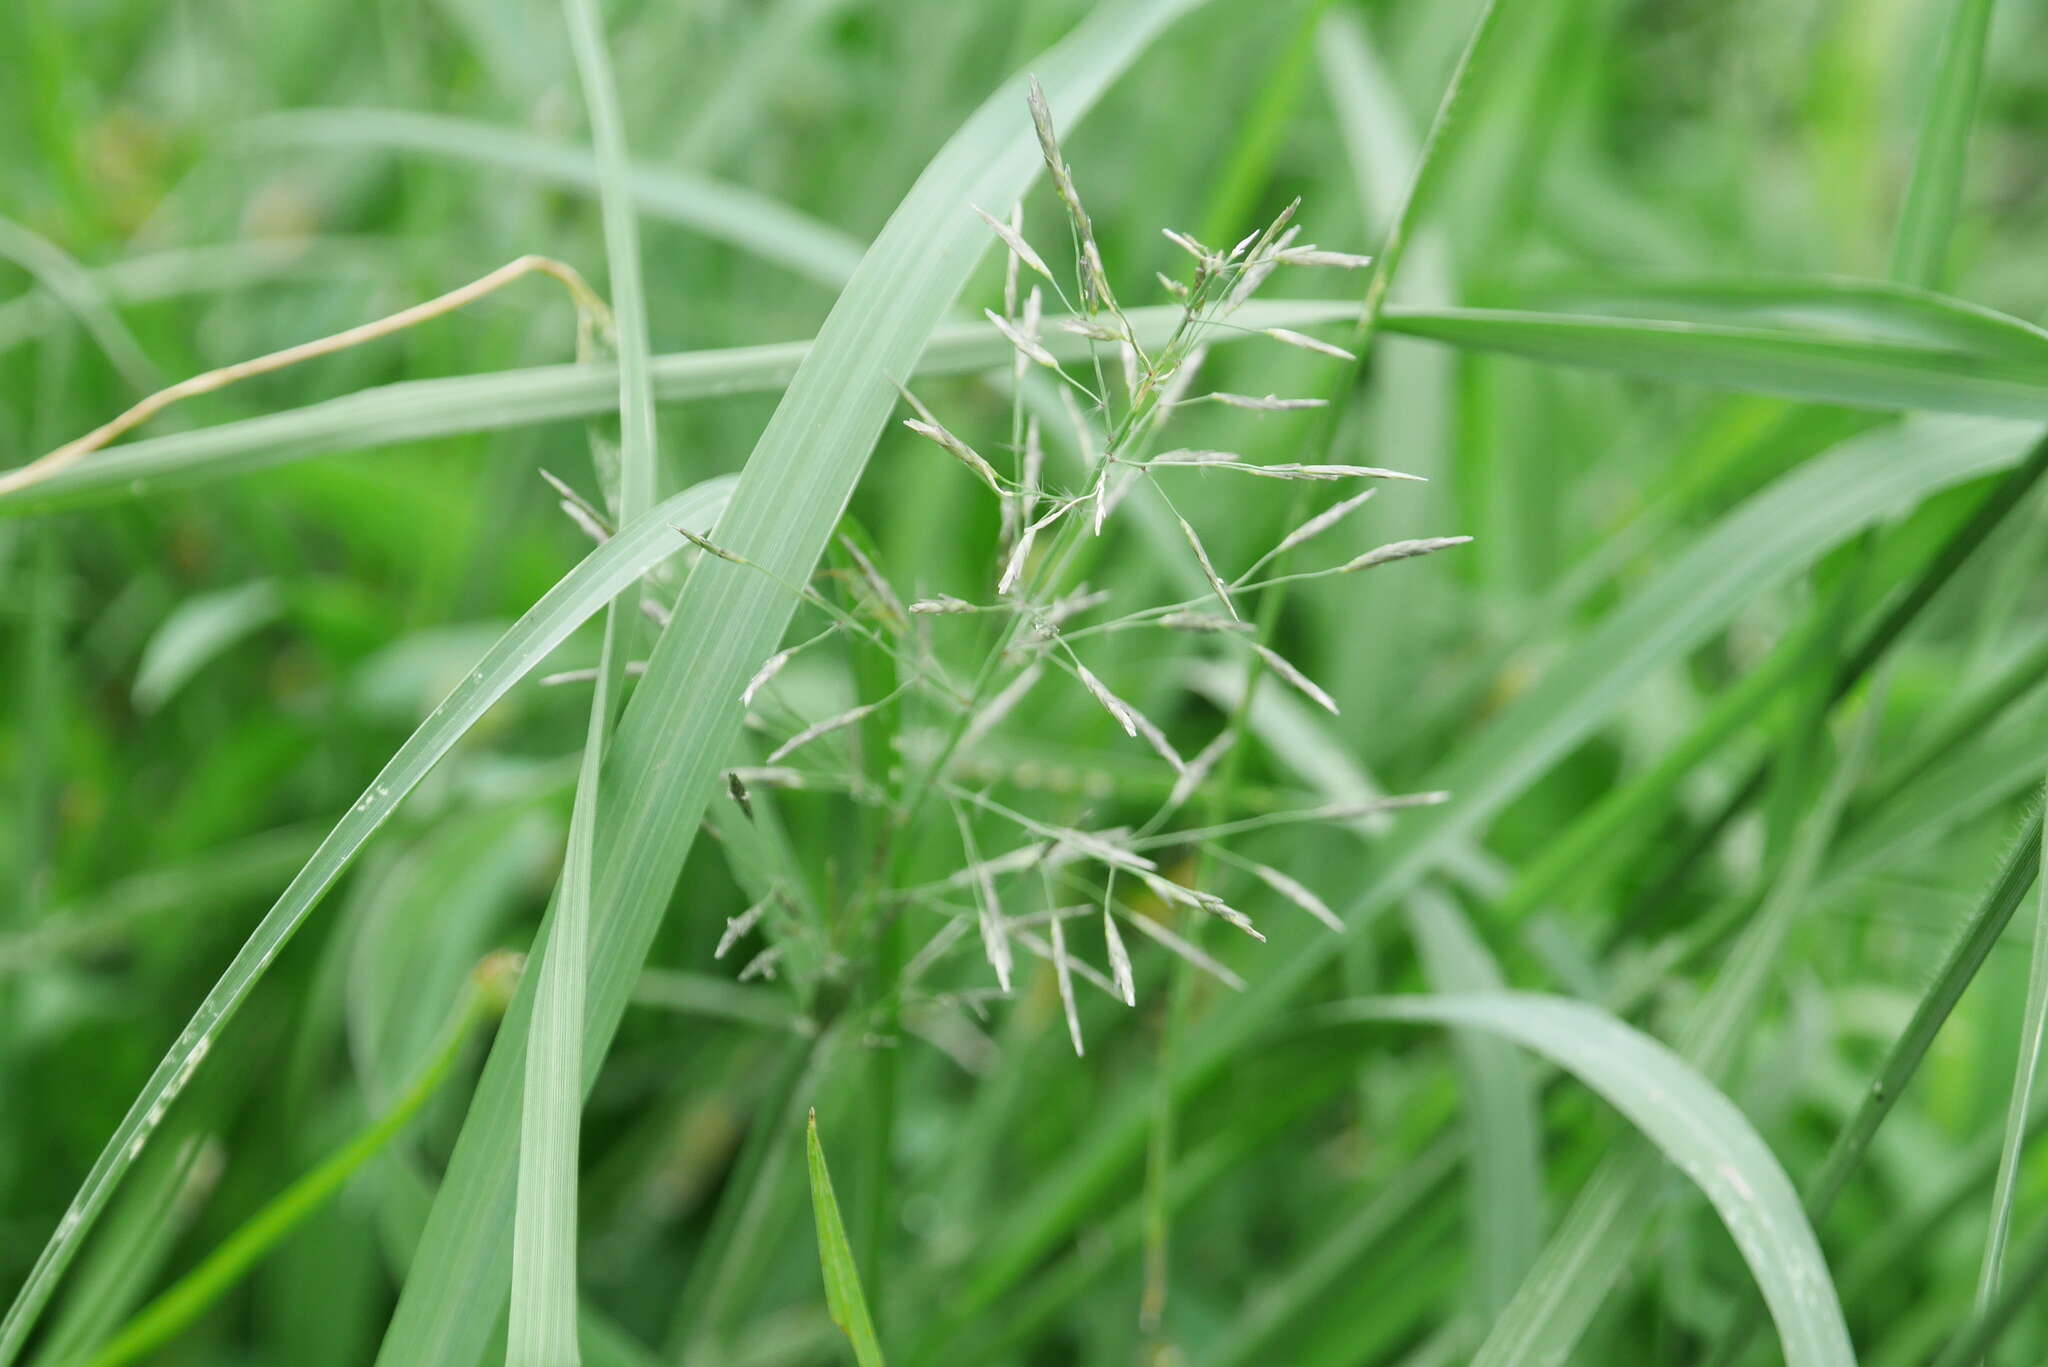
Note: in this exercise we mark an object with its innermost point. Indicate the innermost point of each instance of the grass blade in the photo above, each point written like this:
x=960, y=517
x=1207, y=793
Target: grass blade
x=680, y=726
x=752, y=222
x=843, y=1300
x=1696, y=1127
x=1926, y=220
x=543, y=1329
x=416, y=409
x=2028, y=1067
x=596, y=581
x=1840, y=306
x=1816, y=367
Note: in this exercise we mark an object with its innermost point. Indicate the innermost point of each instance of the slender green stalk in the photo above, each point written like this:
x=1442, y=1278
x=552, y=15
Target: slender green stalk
x=1982, y=1332
x=2032, y=1025
x=1927, y=218
x=543, y=1328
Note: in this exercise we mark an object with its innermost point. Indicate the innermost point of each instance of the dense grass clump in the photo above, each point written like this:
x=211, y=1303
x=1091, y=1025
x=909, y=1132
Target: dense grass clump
x=934, y=683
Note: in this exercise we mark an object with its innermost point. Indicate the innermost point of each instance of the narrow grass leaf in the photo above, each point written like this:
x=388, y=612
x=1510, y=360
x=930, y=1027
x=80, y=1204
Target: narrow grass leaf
x=2026, y=1071
x=197, y=631
x=544, y=1297
x=753, y=222
x=1838, y=306
x=1810, y=365
x=843, y=1298
x=1695, y=1126
x=1933, y=195
x=415, y=410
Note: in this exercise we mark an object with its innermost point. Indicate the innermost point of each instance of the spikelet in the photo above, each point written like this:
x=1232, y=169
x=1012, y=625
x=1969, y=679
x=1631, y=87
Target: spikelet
x=1174, y=944
x=762, y=965
x=1110, y=702
x=1066, y=986
x=1294, y=892
x=930, y=428
x=1402, y=550
x=940, y=605
x=1000, y=706
x=736, y=927
x=1311, y=256
x=994, y=938
x=1208, y=569
x=1202, y=622
x=580, y=510
x=1320, y=523
x=891, y=609
x=1119, y=960
x=1197, y=772
x=1282, y=666
x=774, y=665
x=1020, y=250
x=1307, y=343
x=1028, y=347
x=1266, y=403
x=825, y=728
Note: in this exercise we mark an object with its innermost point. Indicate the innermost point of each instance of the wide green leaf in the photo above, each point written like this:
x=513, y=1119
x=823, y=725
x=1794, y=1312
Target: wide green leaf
x=1695, y=1126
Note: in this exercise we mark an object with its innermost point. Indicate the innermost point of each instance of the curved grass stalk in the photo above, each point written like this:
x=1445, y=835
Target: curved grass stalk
x=412, y=410
x=588, y=307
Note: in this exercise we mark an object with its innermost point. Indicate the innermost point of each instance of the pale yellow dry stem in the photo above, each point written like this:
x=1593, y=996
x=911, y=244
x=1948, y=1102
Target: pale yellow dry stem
x=588, y=306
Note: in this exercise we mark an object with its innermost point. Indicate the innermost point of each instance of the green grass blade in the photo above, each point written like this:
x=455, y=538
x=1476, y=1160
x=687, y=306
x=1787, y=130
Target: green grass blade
x=76, y=289
x=1813, y=366
x=595, y=582
x=843, y=1299
x=190, y=271
x=1927, y=218
x=747, y=220
x=542, y=1332
x=1592, y=1251
x=2032, y=1026
x=679, y=729
x=1695, y=1126
x=543, y=1328
x=128, y=1257
x=414, y=410
x=195, y=632
x=1840, y=306
x=1506, y=1200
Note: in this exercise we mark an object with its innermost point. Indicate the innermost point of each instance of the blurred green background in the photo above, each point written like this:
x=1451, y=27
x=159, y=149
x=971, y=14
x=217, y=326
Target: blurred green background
x=201, y=674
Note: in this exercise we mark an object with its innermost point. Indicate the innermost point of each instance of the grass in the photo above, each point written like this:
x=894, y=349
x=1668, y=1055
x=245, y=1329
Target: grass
x=1048, y=869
